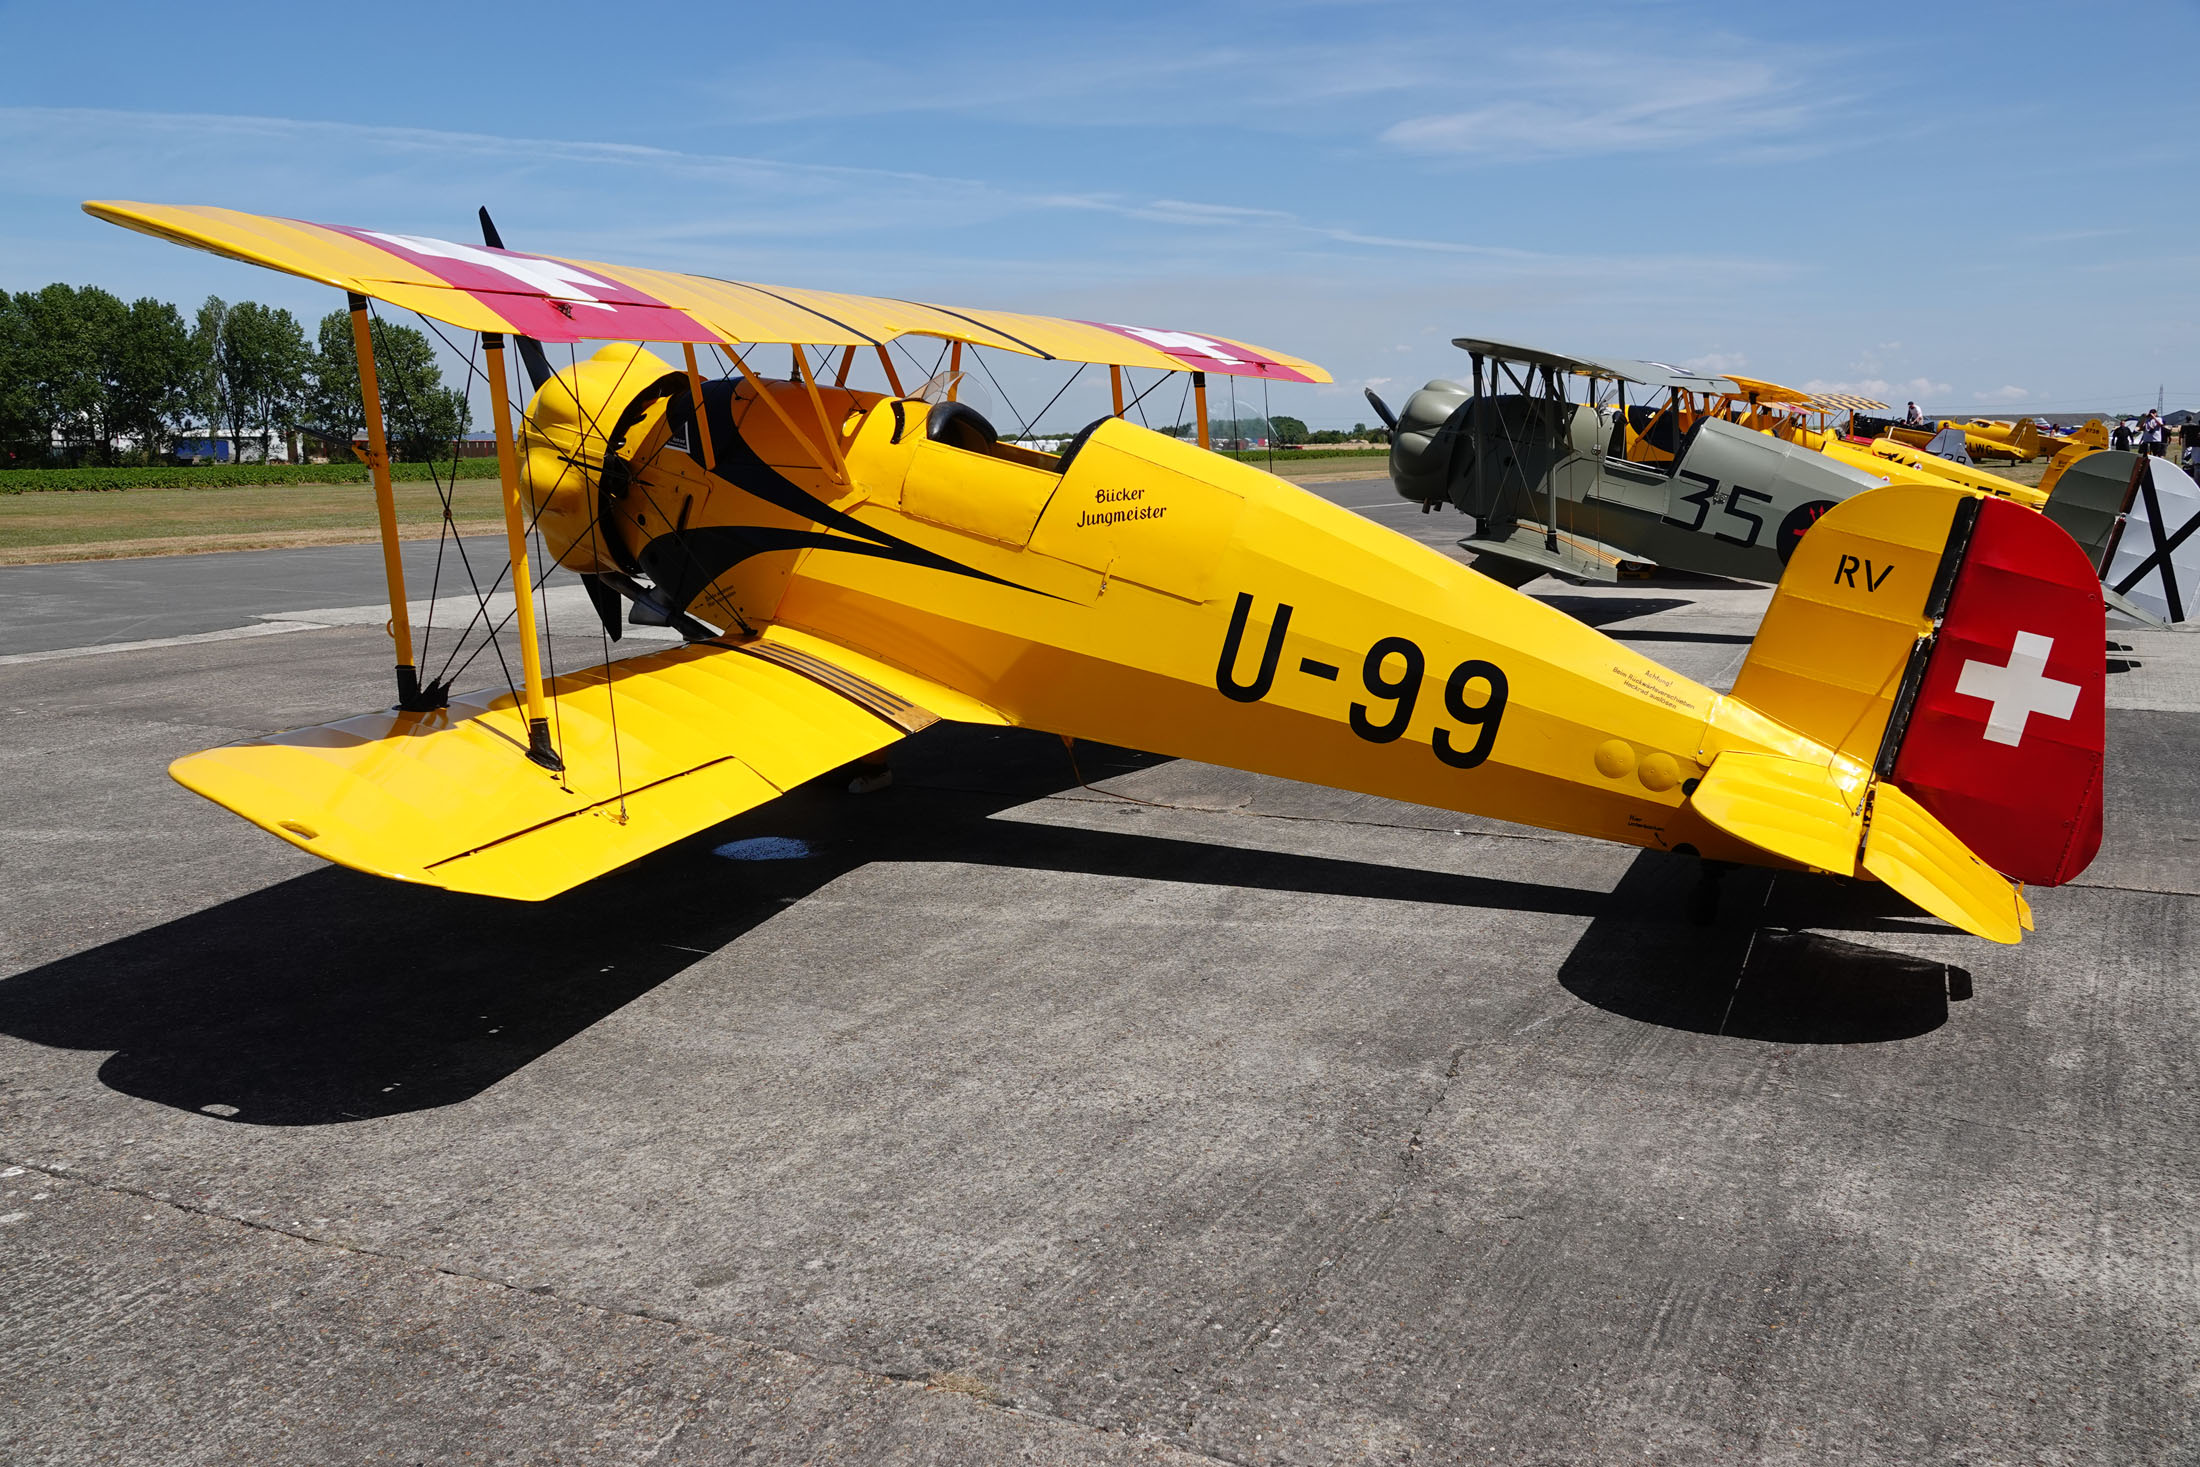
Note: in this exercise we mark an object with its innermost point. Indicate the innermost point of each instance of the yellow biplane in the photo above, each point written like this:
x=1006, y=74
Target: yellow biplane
x=1923, y=706
x=1981, y=440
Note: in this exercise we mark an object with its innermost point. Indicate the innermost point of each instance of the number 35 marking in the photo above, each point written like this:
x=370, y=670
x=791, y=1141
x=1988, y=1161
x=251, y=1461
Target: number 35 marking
x=1707, y=495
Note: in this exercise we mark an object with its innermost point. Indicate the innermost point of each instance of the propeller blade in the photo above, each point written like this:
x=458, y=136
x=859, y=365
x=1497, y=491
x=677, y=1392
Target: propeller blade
x=1382, y=409
x=531, y=354
x=607, y=604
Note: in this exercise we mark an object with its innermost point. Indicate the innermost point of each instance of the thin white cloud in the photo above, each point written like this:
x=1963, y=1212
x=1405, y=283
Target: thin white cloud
x=52, y=150
x=2003, y=395
x=1880, y=387
x=1541, y=103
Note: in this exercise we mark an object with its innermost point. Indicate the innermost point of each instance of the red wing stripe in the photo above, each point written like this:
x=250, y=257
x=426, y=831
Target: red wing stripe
x=551, y=300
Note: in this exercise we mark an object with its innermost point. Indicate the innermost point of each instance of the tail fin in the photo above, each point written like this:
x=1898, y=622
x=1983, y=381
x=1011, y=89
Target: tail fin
x=1954, y=644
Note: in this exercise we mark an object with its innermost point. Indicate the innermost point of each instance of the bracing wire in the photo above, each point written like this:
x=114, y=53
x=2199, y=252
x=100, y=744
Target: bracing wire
x=1141, y=397
x=1033, y=430
x=595, y=427
x=1023, y=428
x=1271, y=422
x=603, y=633
x=533, y=538
x=938, y=364
x=447, y=532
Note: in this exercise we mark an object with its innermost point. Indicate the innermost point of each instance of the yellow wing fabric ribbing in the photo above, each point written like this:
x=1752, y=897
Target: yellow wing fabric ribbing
x=556, y=299
x=449, y=798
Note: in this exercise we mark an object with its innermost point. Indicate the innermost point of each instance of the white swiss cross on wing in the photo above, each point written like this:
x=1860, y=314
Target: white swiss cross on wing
x=552, y=278
x=2018, y=689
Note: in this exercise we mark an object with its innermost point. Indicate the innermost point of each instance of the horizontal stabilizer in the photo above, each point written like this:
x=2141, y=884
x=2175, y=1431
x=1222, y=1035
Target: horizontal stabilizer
x=1787, y=806
x=1922, y=859
x=656, y=748
x=1812, y=816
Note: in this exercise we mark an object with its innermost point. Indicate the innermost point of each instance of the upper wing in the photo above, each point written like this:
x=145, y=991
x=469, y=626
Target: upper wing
x=1844, y=402
x=554, y=299
x=1770, y=392
x=656, y=748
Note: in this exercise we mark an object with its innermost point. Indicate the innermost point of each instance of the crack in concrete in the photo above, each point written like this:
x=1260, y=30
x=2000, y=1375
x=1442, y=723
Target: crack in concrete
x=544, y=1291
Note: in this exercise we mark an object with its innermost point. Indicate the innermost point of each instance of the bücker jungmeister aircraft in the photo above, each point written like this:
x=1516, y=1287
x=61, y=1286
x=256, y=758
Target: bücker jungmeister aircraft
x=1923, y=705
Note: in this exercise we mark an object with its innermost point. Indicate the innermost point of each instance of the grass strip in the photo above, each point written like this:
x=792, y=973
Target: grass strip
x=38, y=527
x=230, y=476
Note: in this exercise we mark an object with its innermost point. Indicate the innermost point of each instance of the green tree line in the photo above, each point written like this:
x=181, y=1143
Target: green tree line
x=88, y=380
x=1287, y=432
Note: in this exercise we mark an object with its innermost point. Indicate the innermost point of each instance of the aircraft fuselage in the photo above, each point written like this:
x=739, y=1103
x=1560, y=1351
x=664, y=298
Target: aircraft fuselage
x=1152, y=595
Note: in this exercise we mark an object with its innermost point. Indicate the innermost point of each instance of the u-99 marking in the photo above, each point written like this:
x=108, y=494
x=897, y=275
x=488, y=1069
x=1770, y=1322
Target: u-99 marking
x=1400, y=689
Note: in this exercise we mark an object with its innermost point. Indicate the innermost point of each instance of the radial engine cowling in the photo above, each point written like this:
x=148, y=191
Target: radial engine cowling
x=561, y=446
x=1420, y=448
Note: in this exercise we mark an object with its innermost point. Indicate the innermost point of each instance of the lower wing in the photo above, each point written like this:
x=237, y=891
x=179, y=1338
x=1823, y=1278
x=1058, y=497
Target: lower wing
x=655, y=749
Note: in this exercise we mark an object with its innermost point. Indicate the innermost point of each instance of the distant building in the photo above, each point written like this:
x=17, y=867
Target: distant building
x=473, y=445
x=202, y=450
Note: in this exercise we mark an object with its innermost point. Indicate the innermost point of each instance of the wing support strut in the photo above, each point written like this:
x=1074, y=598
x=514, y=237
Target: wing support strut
x=1199, y=396
x=702, y=419
x=410, y=695
x=756, y=385
x=828, y=432
x=893, y=378
x=539, y=748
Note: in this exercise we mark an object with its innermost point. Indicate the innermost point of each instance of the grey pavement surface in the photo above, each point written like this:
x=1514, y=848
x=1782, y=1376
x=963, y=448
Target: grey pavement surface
x=91, y=602
x=1190, y=1116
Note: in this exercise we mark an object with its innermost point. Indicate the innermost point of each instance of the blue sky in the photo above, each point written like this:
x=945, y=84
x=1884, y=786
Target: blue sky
x=1974, y=206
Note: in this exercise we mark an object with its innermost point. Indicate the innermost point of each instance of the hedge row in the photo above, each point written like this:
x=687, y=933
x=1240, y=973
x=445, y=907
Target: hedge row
x=229, y=476
x=1294, y=455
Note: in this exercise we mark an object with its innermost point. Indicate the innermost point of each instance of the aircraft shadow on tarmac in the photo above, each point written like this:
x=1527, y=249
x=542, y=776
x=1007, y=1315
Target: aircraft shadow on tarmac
x=1608, y=611
x=1753, y=973
x=1602, y=611
x=334, y=996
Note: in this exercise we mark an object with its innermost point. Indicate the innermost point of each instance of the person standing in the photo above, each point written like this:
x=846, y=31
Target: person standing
x=2153, y=433
x=1913, y=418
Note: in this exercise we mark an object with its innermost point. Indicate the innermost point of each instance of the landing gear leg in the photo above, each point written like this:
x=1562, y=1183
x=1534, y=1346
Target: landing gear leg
x=872, y=774
x=1703, y=902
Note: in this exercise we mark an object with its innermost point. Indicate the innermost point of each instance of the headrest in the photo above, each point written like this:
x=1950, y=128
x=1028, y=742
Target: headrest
x=958, y=425
x=1071, y=449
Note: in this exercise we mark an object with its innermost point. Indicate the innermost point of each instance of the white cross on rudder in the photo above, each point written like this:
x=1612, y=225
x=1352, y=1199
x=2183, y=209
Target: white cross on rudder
x=2018, y=690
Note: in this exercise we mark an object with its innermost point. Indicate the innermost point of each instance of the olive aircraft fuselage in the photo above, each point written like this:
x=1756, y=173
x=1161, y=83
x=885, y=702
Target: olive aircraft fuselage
x=1722, y=475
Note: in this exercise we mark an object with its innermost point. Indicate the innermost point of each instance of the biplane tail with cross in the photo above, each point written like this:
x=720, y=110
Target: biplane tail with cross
x=848, y=560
